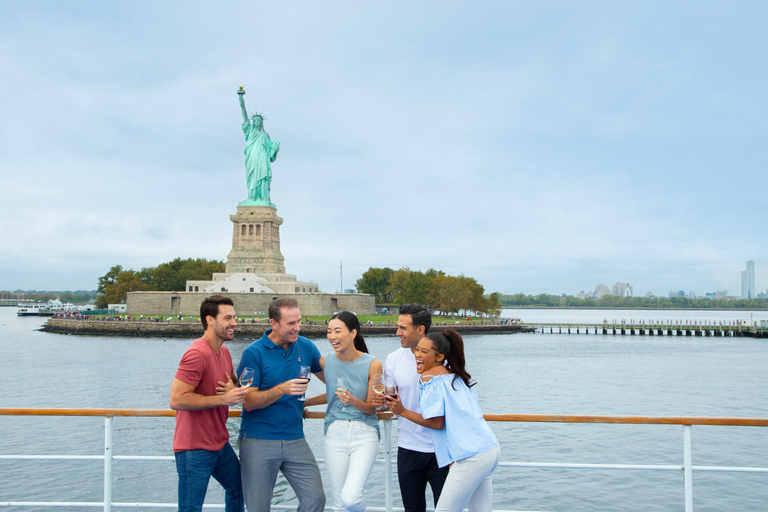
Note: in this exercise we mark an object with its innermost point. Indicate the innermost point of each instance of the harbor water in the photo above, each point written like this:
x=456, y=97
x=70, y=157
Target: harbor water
x=531, y=373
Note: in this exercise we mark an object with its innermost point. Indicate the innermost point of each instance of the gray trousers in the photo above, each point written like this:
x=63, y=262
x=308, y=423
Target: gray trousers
x=261, y=459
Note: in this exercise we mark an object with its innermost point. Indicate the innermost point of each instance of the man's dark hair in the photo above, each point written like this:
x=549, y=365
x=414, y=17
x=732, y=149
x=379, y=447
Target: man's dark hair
x=419, y=315
x=210, y=306
x=282, y=302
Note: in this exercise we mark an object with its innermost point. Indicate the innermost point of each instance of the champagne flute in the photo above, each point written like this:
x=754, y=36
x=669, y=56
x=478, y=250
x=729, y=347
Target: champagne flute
x=246, y=378
x=305, y=372
x=341, y=387
x=377, y=384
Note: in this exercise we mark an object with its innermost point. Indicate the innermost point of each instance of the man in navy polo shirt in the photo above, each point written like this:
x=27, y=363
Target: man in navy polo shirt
x=271, y=427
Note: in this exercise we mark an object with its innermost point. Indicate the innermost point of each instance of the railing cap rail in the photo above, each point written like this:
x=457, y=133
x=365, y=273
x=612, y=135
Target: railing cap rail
x=523, y=418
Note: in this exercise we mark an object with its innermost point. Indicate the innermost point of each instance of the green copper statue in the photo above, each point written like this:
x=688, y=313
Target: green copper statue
x=260, y=152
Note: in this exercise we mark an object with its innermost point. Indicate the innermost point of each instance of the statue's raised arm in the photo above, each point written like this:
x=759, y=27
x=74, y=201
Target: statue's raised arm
x=241, y=95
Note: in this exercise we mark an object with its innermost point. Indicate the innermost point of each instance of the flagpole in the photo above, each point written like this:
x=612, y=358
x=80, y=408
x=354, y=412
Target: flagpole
x=341, y=277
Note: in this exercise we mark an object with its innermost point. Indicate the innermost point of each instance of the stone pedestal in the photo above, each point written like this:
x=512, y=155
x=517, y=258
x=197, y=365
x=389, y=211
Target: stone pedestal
x=256, y=241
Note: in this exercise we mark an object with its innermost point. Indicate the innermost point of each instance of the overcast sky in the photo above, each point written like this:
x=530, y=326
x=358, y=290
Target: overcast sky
x=539, y=147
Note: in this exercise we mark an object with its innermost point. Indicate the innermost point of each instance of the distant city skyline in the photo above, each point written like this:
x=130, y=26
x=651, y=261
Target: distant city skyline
x=748, y=289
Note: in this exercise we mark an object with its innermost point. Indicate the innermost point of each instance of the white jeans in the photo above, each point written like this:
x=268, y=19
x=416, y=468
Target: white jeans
x=469, y=483
x=350, y=450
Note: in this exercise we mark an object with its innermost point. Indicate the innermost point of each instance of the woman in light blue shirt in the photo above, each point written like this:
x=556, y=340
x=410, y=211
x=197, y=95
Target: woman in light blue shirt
x=461, y=436
x=351, y=425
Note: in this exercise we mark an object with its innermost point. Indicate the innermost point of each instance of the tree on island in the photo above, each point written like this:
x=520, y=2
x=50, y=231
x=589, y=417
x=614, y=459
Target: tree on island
x=447, y=294
x=494, y=304
x=376, y=282
x=412, y=286
x=451, y=294
x=115, y=285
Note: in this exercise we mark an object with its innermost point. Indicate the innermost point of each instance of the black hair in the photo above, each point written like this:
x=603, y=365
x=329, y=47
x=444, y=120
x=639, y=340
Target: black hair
x=350, y=320
x=282, y=302
x=450, y=344
x=419, y=315
x=210, y=307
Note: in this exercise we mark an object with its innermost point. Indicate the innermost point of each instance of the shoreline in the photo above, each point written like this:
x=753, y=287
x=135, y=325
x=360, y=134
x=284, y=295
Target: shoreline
x=633, y=309
x=245, y=330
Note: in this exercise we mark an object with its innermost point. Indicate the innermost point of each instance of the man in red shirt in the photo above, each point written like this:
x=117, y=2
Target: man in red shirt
x=204, y=388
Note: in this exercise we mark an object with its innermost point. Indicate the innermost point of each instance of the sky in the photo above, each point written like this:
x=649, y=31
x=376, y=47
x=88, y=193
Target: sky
x=539, y=147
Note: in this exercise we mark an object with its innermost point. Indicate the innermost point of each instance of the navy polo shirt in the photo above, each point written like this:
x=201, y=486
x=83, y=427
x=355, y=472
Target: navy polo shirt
x=273, y=365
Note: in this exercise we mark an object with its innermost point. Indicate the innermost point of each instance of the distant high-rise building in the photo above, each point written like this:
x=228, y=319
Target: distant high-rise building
x=621, y=290
x=600, y=291
x=748, y=289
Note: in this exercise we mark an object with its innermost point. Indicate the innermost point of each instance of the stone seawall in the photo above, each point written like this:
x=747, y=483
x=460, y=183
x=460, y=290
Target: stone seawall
x=185, y=329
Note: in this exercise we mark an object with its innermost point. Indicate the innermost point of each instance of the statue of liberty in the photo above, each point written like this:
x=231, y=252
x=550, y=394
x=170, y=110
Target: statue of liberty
x=260, y=152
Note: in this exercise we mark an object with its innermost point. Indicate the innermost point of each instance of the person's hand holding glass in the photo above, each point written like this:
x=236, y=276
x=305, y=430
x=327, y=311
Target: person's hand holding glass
x=341, y=390
x=305, y=372
x=392, y=400
x=377, y=384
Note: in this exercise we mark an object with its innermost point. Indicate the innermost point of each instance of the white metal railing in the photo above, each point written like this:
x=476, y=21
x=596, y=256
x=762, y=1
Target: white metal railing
x=687, y=466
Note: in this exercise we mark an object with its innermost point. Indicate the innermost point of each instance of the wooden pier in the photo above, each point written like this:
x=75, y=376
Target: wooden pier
x=625, y=328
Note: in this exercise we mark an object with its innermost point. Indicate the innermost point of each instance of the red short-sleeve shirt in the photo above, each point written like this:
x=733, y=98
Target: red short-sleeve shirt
x=203, y=368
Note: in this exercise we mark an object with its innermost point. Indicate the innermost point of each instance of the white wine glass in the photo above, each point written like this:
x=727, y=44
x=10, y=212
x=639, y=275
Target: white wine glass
x=377, y=384
x=305, y=372
x=246, y=377
x=341, y=387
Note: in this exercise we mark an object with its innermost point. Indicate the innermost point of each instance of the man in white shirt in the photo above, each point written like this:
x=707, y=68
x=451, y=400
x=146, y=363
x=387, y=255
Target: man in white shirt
x=416, y=461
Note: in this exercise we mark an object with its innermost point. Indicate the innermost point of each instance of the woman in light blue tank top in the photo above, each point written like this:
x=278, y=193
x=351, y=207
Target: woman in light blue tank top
x=351, y=425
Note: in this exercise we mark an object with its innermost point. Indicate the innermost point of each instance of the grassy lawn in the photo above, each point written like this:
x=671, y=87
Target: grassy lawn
x=392, y=319
x=375, y=319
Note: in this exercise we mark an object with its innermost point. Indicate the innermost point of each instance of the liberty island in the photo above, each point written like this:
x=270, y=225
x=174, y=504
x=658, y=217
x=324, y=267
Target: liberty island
x=255, y=272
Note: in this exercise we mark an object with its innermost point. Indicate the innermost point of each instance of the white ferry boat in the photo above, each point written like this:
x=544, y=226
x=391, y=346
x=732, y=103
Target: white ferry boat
x=51, y=308
x=28, y=310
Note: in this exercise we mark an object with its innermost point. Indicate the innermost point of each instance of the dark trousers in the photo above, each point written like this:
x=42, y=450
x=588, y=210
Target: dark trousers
x=414, y=471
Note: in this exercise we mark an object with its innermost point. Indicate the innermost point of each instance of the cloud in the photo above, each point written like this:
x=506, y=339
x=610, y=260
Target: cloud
x=536, y=149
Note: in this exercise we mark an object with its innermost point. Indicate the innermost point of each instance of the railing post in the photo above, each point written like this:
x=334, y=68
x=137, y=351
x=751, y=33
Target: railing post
x=107, y=464
x=688, y=468
x=388, y=464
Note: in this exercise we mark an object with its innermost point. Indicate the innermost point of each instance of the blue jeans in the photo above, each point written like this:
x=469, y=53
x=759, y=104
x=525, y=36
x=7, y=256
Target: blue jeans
x=195, y=469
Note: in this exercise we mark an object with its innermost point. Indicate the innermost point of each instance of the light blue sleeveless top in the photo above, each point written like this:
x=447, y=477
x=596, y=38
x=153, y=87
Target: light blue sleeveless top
x=356, y=374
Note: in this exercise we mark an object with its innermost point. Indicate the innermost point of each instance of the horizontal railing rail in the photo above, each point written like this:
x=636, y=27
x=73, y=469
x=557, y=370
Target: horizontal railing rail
x=686, y=467
x=521, y=418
